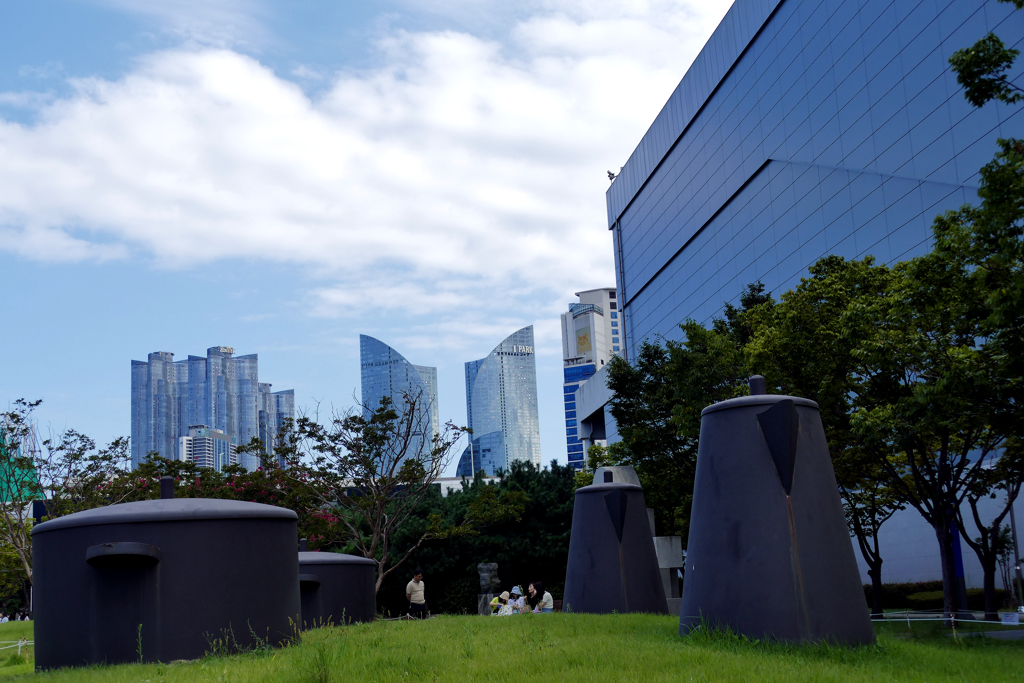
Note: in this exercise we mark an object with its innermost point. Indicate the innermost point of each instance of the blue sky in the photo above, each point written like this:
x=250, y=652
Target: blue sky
x=280, y=177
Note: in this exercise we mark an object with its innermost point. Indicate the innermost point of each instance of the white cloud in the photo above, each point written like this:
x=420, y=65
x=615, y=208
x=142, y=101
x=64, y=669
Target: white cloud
x=460, y=171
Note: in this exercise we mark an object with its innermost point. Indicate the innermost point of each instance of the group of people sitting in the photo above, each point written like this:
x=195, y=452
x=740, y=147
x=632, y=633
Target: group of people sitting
x=538, y=602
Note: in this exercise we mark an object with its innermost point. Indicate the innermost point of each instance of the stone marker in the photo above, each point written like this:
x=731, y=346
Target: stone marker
x=489, y=586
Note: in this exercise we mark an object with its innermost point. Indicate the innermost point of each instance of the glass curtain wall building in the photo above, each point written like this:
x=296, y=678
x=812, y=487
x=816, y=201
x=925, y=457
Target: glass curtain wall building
x=501, y=407
x=220, y=391
x=386, y=373
x=806, y=128
x=590, y=337
x=803, y=128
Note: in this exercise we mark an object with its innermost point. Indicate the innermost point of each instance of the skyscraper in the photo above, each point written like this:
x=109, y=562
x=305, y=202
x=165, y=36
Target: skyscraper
x=501, y=407
x=386, y=373
x=590, y=337
x=219, y=391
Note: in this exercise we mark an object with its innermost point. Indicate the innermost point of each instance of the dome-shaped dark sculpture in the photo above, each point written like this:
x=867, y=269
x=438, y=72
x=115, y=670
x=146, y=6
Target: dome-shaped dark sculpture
x=612, y=562
x=769, y=554
x=336, y=588
x=160, y=579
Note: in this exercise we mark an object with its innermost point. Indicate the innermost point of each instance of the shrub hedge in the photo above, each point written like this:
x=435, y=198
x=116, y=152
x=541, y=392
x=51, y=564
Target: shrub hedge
x=926, y=595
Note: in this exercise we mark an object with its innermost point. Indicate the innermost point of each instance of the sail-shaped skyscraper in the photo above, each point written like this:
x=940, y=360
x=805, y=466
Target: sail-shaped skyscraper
x=501, y=407
x=385, y=372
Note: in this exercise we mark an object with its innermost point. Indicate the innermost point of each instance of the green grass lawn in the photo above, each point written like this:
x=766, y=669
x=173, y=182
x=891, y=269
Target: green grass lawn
x=573, y=647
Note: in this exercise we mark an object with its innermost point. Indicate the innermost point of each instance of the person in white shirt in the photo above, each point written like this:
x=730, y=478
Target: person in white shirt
x=415, y=593
x=545, y=603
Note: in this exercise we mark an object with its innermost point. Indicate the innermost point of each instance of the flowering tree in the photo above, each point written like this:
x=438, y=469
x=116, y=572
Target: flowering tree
x=66, y=470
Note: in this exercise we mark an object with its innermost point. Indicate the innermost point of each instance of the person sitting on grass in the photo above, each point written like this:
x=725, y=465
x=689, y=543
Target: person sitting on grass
x=543, y=600
x=506, y=608
x=518, y=601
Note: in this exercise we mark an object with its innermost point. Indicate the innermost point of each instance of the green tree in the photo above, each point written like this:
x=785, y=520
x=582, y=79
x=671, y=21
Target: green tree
x=930, y=396
x=369, y=471
x=657, y=401
x=981, y=69
x=67, y=470
x=642, y=403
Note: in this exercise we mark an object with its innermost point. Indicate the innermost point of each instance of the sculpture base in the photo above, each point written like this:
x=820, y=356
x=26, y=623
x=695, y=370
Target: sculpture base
x=483, y=603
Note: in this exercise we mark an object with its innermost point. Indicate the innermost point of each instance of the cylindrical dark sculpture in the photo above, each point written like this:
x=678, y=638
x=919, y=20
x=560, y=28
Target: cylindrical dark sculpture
x=612, y=562
x=337, y=589
x=769, y=554
x=161, y=580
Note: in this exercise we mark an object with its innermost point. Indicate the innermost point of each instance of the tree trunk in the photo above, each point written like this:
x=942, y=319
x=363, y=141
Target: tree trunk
x=991, y=608
x=949, y=601
x=875, y=572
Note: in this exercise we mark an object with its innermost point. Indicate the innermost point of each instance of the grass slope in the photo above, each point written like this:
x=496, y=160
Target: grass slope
x=576, y=647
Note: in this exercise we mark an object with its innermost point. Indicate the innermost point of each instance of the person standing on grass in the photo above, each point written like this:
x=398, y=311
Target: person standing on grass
x=544, y=601
x=414, y=593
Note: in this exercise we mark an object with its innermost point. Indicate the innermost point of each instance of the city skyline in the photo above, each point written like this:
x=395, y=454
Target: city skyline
x=220, y=392
x=286, y=177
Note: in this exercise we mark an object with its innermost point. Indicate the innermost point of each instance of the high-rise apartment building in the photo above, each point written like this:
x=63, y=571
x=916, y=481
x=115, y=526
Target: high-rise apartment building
x=501, y=407
x=220, y=391
x=206, y=447
x=385, y=373
x=590, y=337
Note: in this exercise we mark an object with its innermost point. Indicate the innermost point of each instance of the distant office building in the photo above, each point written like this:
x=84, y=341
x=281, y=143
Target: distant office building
x=385, y=373
x=206, y=447
x=220, y=391
x=590, y=337
x=501, y=407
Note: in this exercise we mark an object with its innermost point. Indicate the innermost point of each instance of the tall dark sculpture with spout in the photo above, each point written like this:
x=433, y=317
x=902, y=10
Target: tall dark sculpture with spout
x=769, y=554
x=613, y=566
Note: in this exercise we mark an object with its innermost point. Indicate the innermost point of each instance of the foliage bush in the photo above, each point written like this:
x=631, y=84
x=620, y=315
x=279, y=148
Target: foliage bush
x=895, y=595
x=932, y=600
x=926, y=595
x=535, y=548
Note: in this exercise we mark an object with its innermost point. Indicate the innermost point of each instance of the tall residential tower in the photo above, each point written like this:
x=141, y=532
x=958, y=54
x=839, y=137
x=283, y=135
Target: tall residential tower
x=219, y=392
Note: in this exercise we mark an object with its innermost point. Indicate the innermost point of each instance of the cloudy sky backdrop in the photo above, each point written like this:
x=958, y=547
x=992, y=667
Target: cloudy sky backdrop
x=282, y=176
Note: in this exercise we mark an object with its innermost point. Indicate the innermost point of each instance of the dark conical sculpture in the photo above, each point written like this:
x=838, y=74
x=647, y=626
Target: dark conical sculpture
x=769, y=554
x=612, y=562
